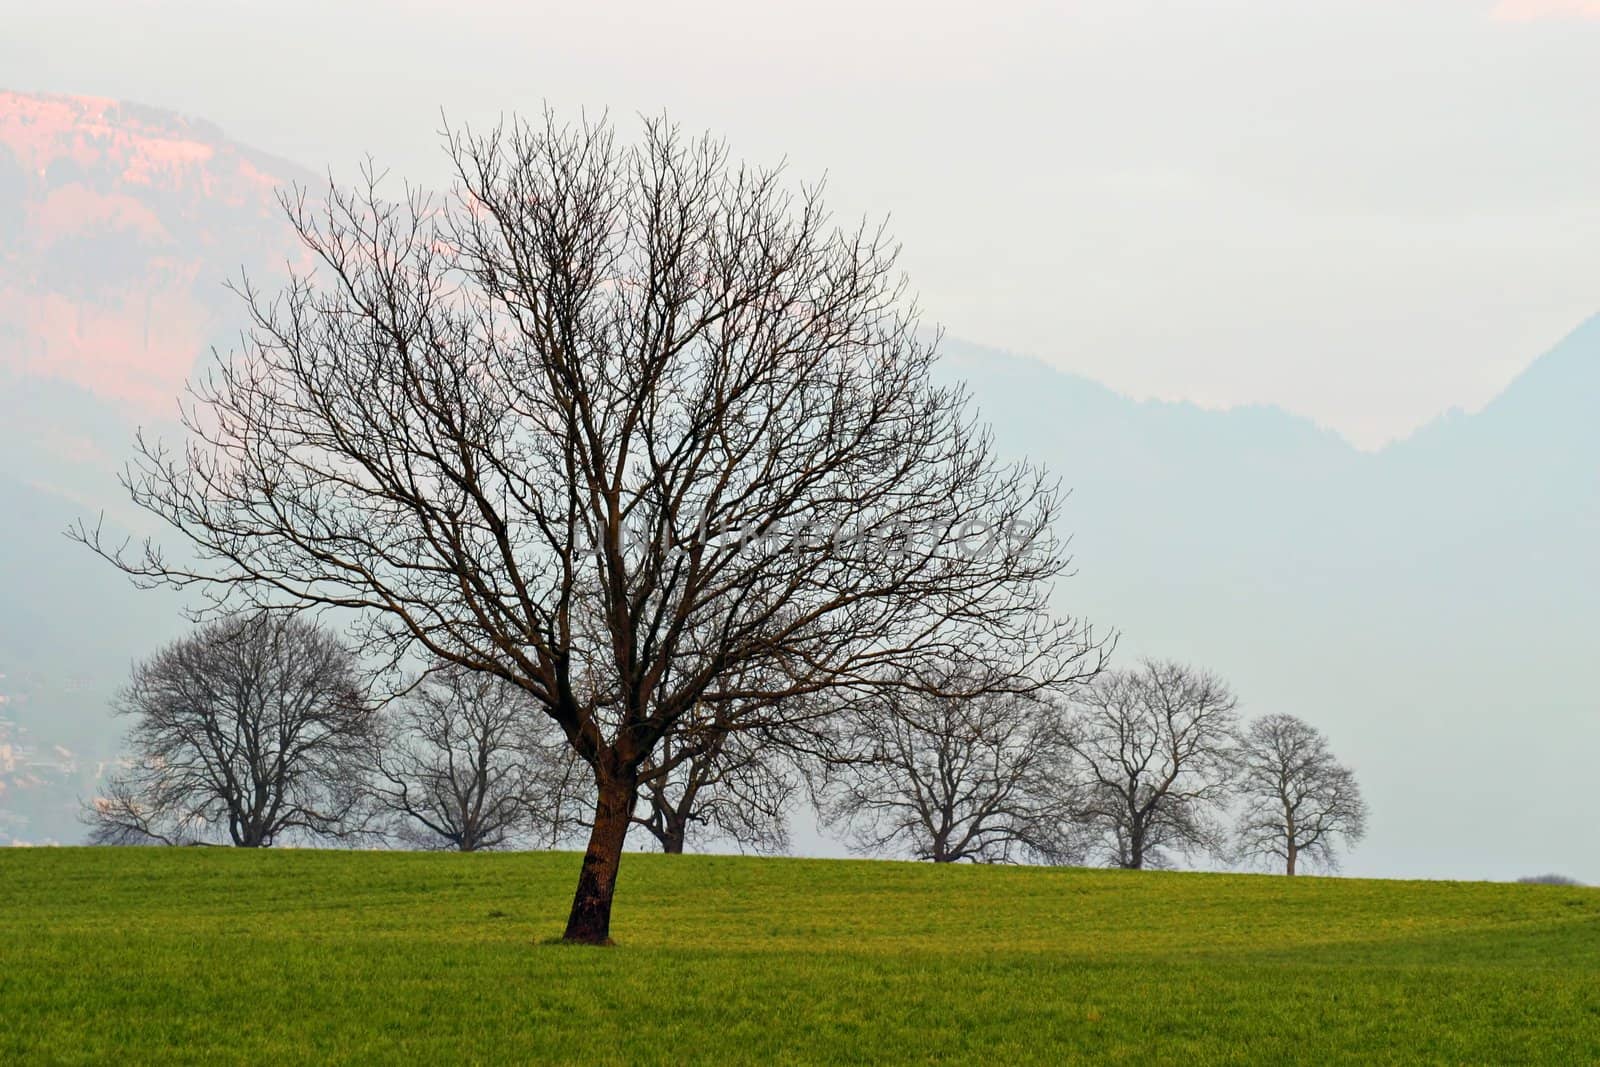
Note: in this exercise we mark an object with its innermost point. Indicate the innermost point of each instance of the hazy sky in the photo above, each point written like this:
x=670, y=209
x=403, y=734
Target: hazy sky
x=1366, y=211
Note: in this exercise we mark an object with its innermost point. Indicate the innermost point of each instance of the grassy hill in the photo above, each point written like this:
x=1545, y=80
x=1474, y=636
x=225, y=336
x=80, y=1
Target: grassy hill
x=226, y=955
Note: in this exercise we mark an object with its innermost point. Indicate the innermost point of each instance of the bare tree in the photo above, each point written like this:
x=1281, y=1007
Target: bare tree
x=732, y=770
x=1154, y=743
x=717, y=779
x=249, y=729
x=1297, y=801
x=467, y=763
x=952, y=778
x=1549, y=879
x=614, y=424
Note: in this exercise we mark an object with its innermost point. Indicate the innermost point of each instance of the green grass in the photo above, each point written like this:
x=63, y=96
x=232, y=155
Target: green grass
x=224, y=955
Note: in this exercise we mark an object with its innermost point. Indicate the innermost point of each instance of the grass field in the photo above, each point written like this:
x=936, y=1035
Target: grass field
x=226, y=955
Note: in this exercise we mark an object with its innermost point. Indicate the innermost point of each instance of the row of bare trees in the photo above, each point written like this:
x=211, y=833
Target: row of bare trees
x=1137, y=768
x=261, y=728
x=257, y=728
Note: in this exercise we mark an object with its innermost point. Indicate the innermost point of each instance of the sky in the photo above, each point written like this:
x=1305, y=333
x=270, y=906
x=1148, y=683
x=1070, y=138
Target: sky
x=1366, y=211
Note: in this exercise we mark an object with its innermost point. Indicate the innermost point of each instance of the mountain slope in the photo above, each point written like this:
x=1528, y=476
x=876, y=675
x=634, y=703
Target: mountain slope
x=118, y=228
x=1431, y=606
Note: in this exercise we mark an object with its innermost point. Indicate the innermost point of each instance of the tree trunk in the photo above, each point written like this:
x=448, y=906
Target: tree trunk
x=1290, y=851
x=673, y=834
x=590, y=921
x=1136, y=851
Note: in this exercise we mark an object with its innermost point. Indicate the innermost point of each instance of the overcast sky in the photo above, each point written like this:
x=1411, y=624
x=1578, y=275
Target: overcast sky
x=1365, y=211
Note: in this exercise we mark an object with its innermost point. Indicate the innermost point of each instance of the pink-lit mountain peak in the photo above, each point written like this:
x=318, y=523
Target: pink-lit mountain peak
x=141, y=146
x=118, y=225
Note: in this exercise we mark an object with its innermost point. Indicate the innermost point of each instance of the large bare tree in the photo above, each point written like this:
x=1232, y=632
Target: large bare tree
x=614, y=423
x=1297, y=802
x=1154, y=743
x=950, y=778
x=467, y=764
x=248, y=730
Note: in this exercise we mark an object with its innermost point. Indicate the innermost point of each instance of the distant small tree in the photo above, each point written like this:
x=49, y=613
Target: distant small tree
x=467, y=764
x=951, y=778
x=249, y=729
x=1297, y=802
x=1154, y=744
x=1549, y=879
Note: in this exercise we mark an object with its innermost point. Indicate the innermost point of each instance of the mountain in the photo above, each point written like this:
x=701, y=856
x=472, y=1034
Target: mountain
x=1430, y=606
x=118, y=227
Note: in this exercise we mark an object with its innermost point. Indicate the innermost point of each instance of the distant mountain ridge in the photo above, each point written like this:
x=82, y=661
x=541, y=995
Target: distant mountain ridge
x=118, y=225
x=1431, y=605
x=1434, y=605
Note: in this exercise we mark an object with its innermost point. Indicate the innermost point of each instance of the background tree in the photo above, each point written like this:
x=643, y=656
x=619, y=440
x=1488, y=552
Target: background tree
x=615, y=424
x=465, y=764
x=952, y=778
x=1154, y=743
x=715, y=779
x=732, y=770
x=247, y=730
x=1549, y=879
x=1297, y=801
